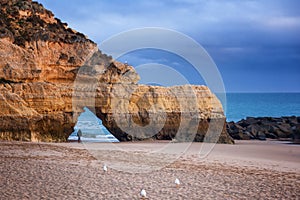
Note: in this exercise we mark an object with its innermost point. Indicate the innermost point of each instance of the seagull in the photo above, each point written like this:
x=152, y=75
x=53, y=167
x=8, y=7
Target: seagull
x=177, y=182
x=104, y=168
x=143, y=194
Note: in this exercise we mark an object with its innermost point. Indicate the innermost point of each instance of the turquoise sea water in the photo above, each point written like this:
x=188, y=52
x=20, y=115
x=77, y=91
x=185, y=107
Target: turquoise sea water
x=92, y=129
x=242, y=105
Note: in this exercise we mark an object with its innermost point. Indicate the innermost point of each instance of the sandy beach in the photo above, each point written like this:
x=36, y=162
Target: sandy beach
x=246, y=170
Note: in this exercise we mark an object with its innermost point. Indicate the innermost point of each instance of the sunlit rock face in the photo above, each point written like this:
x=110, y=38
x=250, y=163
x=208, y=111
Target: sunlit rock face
x=136, y=112
x=49, y=72
x=39, y=58
x=184, y=113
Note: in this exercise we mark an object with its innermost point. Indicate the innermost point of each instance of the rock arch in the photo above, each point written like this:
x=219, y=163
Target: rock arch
x=39, y=98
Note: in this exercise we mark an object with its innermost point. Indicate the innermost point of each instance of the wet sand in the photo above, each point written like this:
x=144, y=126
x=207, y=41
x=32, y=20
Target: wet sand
x=246, y=170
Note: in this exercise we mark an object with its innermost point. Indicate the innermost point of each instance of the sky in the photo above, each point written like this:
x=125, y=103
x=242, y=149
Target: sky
x=255, y=44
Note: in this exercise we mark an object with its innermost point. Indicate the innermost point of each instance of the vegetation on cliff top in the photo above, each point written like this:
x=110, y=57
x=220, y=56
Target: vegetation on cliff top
x=25, y=21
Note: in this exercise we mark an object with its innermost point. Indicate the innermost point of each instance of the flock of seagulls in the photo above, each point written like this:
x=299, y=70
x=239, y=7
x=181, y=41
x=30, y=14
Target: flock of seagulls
x=143, y=193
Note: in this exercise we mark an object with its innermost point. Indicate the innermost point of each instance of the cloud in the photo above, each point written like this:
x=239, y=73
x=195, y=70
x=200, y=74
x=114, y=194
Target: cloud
x=209, y=19
x=242, y=36
x=283, y=22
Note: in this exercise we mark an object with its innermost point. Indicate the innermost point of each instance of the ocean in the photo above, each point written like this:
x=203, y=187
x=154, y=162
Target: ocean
x=242, y=105
x=92, y=129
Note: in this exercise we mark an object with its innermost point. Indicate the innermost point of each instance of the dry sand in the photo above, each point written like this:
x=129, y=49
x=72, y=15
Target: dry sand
x=246, y=170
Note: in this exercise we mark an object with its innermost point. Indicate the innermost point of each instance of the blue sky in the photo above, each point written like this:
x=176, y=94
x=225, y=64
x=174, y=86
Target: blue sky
x=254, y=43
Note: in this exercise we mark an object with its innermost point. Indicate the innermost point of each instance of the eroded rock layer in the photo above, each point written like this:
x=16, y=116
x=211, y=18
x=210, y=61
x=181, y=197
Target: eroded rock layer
x=49, y=72
x=39, y=59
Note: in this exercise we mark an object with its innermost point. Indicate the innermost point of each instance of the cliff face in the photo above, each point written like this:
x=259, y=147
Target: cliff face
x=184, y=113
x=39, y=60
x=49, y=72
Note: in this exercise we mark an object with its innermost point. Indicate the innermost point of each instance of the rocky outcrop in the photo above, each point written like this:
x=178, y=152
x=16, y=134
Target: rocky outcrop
x=24, y=21
x=136, y=112
x=265, y=127
x=184, y=113
x=37, y=72
x=49, y=72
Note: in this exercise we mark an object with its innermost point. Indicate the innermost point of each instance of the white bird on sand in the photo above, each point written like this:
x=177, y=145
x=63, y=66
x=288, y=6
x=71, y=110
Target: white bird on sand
x=143, y=194
x=177, y=182
x=104, y=168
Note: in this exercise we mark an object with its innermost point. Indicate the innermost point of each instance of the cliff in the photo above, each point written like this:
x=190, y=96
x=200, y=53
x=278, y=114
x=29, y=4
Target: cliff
x=49, y=72
x=39, y=59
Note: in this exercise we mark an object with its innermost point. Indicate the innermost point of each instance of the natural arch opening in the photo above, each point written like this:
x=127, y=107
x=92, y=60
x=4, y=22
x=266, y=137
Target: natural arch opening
x=92, y=129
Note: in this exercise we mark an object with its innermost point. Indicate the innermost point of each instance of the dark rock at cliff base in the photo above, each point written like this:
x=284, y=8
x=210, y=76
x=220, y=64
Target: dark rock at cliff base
x=296, y=134
x=265, y=127
x=261, y=136
x=237, y=131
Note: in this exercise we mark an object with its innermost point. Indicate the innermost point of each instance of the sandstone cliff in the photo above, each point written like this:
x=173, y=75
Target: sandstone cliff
x=39, y=60
x=49, y=72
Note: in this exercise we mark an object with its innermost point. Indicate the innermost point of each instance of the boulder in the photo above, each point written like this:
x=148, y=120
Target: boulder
x=243, y=123
x=261, y=136
x=296, y=134
x=236, y=131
